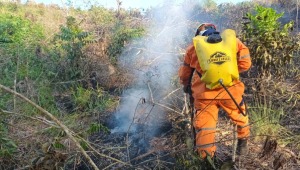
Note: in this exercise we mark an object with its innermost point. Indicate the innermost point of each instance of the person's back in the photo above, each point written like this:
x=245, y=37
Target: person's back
x=213, y=59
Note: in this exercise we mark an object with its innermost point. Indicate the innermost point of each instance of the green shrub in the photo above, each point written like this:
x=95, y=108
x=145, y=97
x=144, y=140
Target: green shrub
x=266, y=119
x=81, y=97
x=121, y=37
x=7, y=146
x=96, y=127
x=96, y=100
x=69, y=45
x=19, y=41
x=271, y=45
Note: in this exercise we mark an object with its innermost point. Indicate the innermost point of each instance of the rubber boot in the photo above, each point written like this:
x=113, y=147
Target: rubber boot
x=242, y=147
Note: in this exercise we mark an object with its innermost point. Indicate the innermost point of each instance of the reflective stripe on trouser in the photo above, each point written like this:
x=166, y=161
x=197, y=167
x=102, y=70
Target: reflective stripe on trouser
x=242, y=122
x=205, y=122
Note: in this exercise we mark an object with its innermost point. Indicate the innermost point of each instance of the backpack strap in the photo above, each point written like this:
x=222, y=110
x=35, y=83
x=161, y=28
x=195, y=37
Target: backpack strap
x=199, y=74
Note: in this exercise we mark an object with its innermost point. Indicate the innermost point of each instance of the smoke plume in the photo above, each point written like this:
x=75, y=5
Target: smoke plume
x=154, y=61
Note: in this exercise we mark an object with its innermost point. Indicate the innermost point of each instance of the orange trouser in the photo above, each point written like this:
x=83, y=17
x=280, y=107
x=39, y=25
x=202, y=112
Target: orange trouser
x=205, y=122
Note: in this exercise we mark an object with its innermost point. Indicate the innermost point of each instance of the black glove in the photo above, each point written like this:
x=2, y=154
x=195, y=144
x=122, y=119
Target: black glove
x=187, y=89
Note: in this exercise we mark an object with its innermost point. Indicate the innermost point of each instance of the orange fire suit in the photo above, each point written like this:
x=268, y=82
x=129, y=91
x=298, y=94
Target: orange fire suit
x=207, y=102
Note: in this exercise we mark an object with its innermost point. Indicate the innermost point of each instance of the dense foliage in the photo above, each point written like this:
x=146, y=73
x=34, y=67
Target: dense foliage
x=272, y=45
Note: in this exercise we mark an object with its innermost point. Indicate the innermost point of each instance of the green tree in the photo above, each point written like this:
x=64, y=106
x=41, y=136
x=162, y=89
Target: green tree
x=70, y=42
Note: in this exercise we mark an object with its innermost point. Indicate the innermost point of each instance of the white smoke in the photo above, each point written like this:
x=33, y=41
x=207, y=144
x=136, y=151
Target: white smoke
x=154, y=64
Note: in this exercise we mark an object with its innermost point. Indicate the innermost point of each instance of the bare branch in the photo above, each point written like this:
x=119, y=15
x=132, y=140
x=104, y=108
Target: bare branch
x=40, y=119
x=234, y=129
x=156, y=103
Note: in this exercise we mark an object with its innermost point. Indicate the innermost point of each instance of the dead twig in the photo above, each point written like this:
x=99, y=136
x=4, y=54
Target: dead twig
x=171, y=93
x=151, y=94
x=136, y=158
x=15, y=81
x=162, y=156
x=127, y=134
x=169, y=108
x=234, y=145
x=186, y=107
x=102, y=155
x=156, y=103
x=40, y=119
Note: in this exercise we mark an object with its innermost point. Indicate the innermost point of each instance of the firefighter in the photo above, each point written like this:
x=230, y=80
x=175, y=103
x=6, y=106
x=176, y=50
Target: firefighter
x=212, y=58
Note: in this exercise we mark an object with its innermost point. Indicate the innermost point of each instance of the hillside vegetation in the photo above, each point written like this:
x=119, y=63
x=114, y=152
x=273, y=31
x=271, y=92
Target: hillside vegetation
x=64, y=73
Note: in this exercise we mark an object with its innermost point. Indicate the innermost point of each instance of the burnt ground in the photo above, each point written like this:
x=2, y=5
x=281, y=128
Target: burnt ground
x=169, y=149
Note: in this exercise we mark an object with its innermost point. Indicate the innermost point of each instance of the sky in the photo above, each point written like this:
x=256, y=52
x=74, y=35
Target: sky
x=125, y=3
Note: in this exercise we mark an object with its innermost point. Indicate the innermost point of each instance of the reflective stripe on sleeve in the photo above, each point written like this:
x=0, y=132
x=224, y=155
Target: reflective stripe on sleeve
x=240, y=127
x=186, y=64
x=197, y=131
x=244, y=56
x=205, y=146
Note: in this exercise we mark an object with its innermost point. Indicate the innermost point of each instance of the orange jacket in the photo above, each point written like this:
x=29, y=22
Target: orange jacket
x=199, y=90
